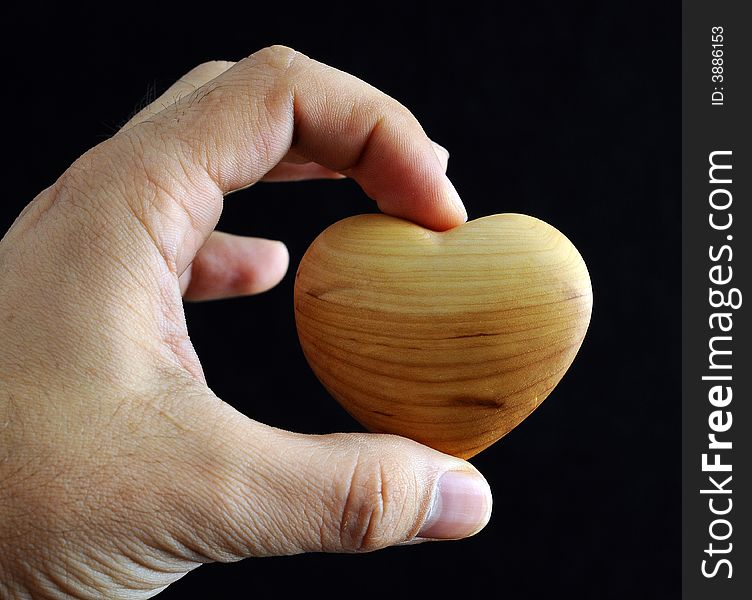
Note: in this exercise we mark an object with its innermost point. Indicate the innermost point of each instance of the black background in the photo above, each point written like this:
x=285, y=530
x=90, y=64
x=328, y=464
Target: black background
x=566, y=111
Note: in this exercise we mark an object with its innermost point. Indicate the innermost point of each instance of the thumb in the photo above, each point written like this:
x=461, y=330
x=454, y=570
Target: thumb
x=335, y=493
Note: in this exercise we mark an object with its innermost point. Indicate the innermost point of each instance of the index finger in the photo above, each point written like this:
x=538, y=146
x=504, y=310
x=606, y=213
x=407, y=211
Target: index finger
x=233, y=130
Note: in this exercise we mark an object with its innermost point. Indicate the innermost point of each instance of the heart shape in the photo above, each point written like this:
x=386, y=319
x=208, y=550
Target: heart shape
x=451, y=338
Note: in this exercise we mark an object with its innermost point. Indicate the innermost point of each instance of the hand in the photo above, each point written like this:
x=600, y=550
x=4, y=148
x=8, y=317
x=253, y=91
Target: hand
x=120, y=470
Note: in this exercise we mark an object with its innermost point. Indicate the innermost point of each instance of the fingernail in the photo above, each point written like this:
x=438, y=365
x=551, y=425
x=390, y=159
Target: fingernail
x=441, y=153
x=461, y=506
x=454, y=197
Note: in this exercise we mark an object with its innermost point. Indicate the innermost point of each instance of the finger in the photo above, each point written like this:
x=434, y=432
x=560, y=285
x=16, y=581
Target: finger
x=187, y=84
x=231, y=132
x=194, y=79
x=231, y=265
x=265, y=491
x=285, y=170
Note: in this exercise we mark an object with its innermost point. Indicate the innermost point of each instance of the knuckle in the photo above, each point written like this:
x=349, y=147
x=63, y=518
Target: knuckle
x=399, y=114
x=76, y=198
x=374, y=496
x=278, y=69
x=277, y=56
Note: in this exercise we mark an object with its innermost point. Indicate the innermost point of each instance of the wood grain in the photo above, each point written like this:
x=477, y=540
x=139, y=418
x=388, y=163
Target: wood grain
x=451, y=338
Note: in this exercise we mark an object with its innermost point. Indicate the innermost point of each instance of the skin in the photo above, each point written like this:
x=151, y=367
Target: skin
x=120, y=470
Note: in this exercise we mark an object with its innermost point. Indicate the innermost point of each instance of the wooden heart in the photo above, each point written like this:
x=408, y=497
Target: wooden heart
x=450, y=339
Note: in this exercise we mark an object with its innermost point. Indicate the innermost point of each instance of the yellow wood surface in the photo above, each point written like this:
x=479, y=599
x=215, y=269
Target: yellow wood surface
x=452, y=338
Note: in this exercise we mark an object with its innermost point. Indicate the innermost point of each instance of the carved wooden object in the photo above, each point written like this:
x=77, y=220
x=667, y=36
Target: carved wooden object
x=451, y=338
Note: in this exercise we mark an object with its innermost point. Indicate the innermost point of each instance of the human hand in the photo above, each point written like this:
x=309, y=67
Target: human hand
x=120, y=470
